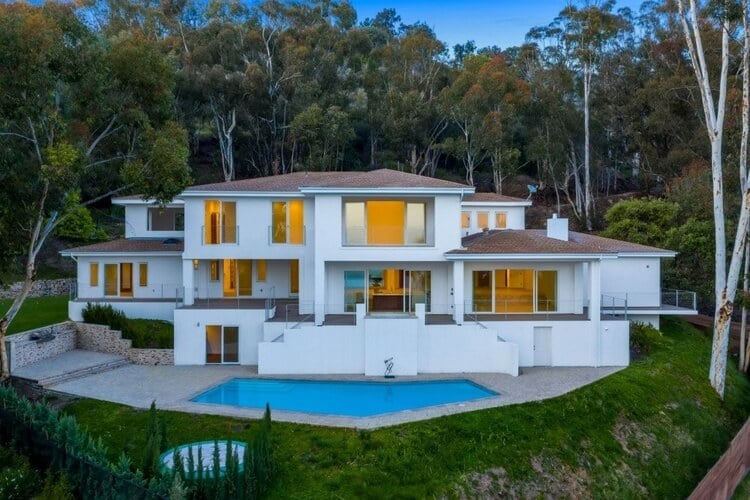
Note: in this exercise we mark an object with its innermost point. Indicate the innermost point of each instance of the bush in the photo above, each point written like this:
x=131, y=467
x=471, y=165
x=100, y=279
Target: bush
x=643, y=337
x=145, y=333
x=78, y=224
x=17, y=479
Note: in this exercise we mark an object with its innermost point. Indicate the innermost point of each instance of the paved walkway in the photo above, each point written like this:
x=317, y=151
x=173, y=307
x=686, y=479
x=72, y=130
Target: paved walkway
x=68, y=362
x=172, y=387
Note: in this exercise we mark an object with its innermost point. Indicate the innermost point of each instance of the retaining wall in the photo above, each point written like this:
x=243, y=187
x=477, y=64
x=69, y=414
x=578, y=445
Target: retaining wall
x=100, y=338
x=24, y=350
x=40, y=288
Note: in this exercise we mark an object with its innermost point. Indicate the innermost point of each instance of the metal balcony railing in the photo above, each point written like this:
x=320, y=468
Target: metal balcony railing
x=287, y=235
x=220, y=235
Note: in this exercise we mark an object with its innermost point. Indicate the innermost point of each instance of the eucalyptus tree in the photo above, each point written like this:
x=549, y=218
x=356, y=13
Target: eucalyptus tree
x=581, y=35
x=73, y=107
x=726, y=18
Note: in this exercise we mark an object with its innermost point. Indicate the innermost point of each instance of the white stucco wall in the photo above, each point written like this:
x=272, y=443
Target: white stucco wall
x=132, y=309
x=515, y=216
x=164, y=275
x=311, y=349
x=136, y=223
x=190, y=333
x=637, y=277
x=465, y=349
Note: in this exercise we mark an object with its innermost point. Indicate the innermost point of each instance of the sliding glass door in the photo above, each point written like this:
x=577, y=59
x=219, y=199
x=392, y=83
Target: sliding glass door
x=503, y=291
x=397, y=290
x=222, y=344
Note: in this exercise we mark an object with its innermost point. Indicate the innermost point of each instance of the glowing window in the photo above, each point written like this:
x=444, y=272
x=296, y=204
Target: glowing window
x=94, y=274
x=465, y=220
x=220, y=222
x=261, y=270
x=385, y=222
x=483, y=220
x=287, y=222
x=143, y=274
x=501, y=220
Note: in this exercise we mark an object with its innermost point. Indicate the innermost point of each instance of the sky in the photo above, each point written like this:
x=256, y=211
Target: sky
x=488, y=22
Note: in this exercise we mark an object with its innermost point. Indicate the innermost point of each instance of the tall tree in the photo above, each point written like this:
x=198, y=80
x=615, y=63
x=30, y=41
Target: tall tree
x=71, y=107
x=693, y=21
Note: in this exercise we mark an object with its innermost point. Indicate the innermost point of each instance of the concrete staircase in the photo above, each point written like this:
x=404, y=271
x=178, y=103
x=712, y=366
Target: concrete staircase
x=69, y=366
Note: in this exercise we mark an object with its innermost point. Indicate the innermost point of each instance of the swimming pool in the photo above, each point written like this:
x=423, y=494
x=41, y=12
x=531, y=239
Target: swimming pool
x=343, y=398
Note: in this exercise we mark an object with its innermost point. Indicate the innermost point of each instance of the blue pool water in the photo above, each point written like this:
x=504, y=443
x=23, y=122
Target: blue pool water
x=351, y=399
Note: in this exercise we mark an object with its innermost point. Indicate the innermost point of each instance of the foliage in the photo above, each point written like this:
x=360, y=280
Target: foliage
x=17, y=479
x=644, y=221
x=655, y=426
x=56, y=443
x=643, y=337
x=56, y=488
x=78, y=224
x=145, y=333
x=156, y=443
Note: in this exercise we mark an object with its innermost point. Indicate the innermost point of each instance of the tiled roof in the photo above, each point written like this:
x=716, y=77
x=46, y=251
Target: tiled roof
x=490, y=197
x=526, y=241
x=293, y=182
x=129, y=245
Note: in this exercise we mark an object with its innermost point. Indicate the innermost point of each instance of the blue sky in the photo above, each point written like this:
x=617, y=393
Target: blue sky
x=487, y=22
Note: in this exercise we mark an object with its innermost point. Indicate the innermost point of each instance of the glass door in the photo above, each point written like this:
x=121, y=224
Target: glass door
x=222, y=344
x=418, y=289
x=126, y=279
x=354, y=290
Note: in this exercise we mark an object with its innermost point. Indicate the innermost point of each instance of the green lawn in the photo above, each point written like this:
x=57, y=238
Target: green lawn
x=651, y=430
x=36, y=312
x=150, y=333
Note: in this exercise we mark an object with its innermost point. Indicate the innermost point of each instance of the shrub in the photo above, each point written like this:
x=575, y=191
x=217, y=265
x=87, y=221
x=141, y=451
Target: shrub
x=78, y=224
x=105, y=315
x=643, y=337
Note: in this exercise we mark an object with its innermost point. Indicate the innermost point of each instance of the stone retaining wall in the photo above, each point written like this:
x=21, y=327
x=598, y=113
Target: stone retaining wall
x=25, y=351
x=40, y=288
x=100, y=338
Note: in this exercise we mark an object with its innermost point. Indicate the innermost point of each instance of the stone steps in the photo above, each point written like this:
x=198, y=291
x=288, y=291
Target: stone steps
x=83, y=372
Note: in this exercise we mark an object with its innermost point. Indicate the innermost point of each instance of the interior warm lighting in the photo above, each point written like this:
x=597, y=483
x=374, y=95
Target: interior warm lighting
x=385, y=222
x=501, y=220
x=195, y=264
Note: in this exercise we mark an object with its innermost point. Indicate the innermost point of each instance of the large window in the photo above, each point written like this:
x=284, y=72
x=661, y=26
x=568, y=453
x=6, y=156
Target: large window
x=385, y=222
x=94, y=274
x=288, y=222
x=220, y=222
x=514, y=291
x=166, y=219
x=483, y=220
x=501, y=220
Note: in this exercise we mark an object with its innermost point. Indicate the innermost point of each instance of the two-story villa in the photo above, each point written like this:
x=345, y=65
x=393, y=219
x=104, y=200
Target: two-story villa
x=340, y=272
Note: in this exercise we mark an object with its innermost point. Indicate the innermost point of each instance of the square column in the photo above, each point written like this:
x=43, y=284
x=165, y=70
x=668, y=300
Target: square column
x=320, y=292
x=188, y=278
x=595, y=301
x=458, y=292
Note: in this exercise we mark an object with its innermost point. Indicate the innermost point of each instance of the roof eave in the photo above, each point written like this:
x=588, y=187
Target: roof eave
x=140, y=253
x=141, y=201
x=530, y=256
x=242, y=194
x=386, y=190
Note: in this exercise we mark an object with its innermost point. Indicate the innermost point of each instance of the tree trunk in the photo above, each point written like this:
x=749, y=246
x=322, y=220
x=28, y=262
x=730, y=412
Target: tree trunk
x=7, y=319
x=586, y=148
x=743, y=325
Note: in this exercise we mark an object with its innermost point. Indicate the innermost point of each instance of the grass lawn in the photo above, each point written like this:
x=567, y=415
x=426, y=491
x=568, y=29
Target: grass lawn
x=652, y=430
x=37, y=312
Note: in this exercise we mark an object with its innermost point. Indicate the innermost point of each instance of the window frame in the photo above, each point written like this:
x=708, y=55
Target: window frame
x=348, y=241
x=141, y=274
x=94, y=274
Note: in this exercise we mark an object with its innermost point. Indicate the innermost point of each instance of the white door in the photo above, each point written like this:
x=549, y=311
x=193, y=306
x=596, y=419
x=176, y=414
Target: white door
x=542, y=346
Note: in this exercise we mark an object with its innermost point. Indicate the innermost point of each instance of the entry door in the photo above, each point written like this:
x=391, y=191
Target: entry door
x=126, y=279
x=222, y=344
x=237, y=278
x=542, y=346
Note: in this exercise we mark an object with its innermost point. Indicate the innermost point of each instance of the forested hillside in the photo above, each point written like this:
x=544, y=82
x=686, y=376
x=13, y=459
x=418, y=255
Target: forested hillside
x=116, y=95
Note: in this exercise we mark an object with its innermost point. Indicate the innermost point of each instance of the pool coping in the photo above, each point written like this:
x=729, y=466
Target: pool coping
x=389, y=419
x=494, y=394
x=172, y=388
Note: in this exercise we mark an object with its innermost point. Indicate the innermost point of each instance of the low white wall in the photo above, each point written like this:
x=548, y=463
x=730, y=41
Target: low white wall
x=573, y=343
x=615, y=343
x=190, y=333
x=311, y=349
x=391, y=338
x=469, y=348
x=147, y=310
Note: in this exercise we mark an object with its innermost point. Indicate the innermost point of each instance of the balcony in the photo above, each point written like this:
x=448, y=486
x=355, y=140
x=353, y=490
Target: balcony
x=286, y=235
x=220, y=235
x=385, y=236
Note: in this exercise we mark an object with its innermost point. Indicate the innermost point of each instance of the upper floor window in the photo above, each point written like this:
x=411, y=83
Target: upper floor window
x=220, y=219
x=465, y=220
x=385, y=222
x=501, y=220
x=288, y=222
x=483, y=220
x=166, y=219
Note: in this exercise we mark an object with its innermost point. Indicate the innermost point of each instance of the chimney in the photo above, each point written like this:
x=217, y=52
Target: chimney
x=557, y=228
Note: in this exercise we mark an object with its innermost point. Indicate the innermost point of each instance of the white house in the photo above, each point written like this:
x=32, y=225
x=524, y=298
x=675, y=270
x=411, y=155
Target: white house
x=339, y=272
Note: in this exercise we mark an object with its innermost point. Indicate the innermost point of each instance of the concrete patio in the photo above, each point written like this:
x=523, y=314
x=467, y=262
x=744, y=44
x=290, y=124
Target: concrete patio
x=172, y=387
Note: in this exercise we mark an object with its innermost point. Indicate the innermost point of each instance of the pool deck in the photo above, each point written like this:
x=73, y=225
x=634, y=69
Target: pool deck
x=172, y=387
